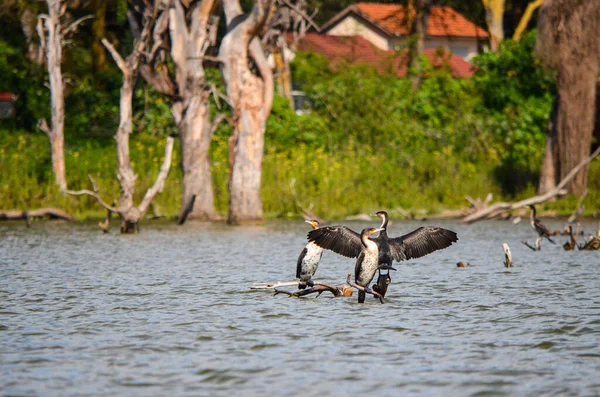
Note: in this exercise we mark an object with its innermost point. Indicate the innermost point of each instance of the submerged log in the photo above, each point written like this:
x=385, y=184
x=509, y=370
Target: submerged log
x=51, y=213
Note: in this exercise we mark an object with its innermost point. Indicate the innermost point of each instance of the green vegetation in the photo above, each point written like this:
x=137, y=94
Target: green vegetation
x=368, y=143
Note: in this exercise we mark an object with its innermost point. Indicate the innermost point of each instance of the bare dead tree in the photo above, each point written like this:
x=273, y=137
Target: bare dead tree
x=129, y=213
x=288, y=19
x=52, y=32
x=187, y=30
x=567, y=41
x=249, y=82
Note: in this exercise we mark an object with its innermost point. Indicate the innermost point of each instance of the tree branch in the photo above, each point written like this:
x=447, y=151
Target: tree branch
x=557, y=191
x=73, y=26
x=531, y=7
x=95, y=194
x=160, y=179
x=43, y=126
x=116, y=56
x=302, y=14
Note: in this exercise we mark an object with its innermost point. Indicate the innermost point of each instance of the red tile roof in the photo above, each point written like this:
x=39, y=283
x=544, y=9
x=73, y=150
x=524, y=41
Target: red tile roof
x=392, y=19
x=358, y=50
x=7, y=96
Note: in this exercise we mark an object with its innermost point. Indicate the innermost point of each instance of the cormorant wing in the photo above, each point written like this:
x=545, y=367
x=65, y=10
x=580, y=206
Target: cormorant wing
x=540, y=227
x=339, y=239
x=299, y=264
x=420, y=242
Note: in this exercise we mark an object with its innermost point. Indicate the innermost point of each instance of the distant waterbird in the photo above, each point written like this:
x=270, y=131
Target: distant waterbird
x=540, y=228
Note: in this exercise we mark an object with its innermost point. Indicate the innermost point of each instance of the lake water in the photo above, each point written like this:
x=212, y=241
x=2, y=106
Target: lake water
x=169, y=312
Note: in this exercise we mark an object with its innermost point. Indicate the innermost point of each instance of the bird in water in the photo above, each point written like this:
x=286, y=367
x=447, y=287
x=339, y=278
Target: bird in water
x=539, y=227
x=367, y=262
x=421, y=241
x=309, y=259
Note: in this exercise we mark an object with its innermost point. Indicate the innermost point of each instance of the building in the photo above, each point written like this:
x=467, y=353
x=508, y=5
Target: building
x=386, y=27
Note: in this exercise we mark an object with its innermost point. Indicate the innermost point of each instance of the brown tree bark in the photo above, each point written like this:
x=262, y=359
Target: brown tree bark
x=567, y=41
x=251, y=96
x=574, y=134
x=548, y=173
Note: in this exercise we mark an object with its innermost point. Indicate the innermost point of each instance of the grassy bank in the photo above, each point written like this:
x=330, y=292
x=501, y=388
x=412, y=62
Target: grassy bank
x=334, y=183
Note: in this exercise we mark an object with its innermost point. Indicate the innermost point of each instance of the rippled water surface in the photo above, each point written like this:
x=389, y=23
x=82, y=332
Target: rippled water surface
x=170, y=312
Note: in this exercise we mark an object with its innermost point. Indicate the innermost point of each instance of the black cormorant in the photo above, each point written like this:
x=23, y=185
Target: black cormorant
x=419, y=242
x=308, y=261
x=539, y=227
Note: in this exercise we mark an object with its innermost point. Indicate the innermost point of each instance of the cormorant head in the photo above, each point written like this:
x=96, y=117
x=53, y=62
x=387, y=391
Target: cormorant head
x=382, y=214
x=314, y=223
x=384, y=218
x=369, y=232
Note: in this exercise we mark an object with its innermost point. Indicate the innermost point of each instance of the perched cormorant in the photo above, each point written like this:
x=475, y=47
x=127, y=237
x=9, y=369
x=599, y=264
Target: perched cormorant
x=367, y=262
x=539, y=227
x=419, y=242
x=308, y=261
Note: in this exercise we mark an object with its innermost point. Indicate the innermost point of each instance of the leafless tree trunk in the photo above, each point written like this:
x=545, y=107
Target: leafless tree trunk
x=187, y=30
x=289, y=19
x=191, y=107
x=251, y=95
x=494, y=15
x=51, y=39
x=567, y=41
x=52, y=35
x=130, y=214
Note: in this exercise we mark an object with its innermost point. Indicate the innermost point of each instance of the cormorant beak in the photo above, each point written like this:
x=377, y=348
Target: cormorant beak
x=309, y=222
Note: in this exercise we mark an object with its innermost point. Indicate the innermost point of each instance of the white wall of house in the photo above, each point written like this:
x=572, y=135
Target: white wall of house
x=350, y=26
x=464, y=47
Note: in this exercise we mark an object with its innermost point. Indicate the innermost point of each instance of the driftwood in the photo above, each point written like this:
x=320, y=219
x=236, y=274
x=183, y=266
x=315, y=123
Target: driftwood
x=500, y=208
x=593, y=244
x=318, y=288
x=531, y=247
x=572, y=244
x=51, y=213
x=363, y=289
x=336, y=290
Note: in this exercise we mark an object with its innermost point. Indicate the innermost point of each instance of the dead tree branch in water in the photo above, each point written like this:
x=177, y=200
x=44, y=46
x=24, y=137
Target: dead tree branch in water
x=500, y=208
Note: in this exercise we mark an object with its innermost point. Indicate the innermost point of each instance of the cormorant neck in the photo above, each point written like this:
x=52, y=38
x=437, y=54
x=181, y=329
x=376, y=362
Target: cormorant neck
x=384, y=222
x=533, y=213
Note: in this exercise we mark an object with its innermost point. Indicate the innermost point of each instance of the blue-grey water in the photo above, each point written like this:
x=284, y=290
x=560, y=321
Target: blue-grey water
x=170, y=312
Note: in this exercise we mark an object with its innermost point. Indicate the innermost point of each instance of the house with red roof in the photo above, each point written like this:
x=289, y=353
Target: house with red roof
x=386, y=26
x=358, y=50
